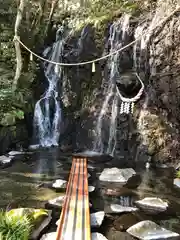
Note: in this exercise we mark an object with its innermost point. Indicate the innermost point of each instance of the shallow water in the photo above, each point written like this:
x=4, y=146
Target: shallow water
x=27, y=184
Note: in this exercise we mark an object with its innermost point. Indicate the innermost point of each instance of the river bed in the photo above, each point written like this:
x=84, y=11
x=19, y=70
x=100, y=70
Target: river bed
x=27, y=183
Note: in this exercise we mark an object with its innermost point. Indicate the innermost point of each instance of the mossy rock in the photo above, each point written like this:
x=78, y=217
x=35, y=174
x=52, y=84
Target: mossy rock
x=35, y=215
x=9, y=118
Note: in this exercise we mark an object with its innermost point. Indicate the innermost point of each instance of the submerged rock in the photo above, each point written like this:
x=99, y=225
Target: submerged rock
x=97, y=236
x=113, y=234
x=177, y=182
x=120, y=209
x=171, y=224
x=123, y=222
x=116, y=192
x=59, y=184
x=147, y=230
x=116, y=175
x=97, y=219
x=152, y=205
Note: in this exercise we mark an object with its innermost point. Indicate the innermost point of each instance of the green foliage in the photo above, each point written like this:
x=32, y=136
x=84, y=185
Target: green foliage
x=98, y=13
x=32, y=213
x=7, y=19
x=178, y=174
x=14, y=227
x=35, y=216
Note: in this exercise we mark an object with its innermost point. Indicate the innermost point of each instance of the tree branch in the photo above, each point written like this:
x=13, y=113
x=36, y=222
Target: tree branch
x=16, y=43
x=53, y=6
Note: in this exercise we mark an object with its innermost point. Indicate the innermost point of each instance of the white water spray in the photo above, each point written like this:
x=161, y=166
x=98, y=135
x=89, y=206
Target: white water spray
x=117, y=36
x=47, y=113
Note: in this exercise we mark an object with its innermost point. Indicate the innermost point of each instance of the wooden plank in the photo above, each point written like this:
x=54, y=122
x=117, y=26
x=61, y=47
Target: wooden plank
x=74, y=221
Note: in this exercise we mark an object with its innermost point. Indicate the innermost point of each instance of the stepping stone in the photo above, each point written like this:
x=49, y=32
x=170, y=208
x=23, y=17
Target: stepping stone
x=14, y=153
x=120, y=209
x=116, y=175
x=88, y=154
x=177, y=182
x=152, y=205
x=57, y=202
x=49, y=236
x=91, y=188
x=59, y=184
x=97, y=218
x=147, y=230
x=5, y=161
x=97, y=236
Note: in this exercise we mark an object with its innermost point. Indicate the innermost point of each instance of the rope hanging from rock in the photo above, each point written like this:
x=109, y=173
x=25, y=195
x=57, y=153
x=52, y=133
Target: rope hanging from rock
x=17, y=38
x=127, y=104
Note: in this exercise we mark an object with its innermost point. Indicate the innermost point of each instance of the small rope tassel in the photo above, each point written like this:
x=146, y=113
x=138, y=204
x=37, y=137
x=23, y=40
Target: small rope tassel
x=93, y=67
x=56, y=69
x=132, y=107
x=31, y=57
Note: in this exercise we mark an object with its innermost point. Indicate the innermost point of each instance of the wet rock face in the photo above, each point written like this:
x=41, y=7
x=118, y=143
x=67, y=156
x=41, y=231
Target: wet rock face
x=128, y=84
x=13, y=137
x=164, y=89
x=82, y=95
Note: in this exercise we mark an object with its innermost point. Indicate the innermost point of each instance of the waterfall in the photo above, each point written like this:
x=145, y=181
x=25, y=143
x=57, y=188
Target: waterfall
x=116, y=40
x=47, y=113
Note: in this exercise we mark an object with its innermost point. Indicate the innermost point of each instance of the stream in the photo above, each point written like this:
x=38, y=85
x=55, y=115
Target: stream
x=27, y=183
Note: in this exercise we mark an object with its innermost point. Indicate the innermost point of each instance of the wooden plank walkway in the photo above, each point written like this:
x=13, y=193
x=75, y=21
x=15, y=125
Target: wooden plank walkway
x=74, y=221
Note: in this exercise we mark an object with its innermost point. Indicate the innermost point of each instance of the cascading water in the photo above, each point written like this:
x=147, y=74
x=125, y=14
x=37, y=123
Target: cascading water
x=47, y=113
x=117, y=39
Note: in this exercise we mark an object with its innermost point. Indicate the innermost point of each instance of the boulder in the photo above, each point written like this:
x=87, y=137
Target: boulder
x=149, y=230
x=152, y=205
x=117, y=208
x=97, y=218
x=116, y=175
